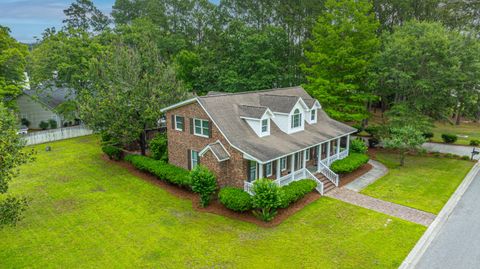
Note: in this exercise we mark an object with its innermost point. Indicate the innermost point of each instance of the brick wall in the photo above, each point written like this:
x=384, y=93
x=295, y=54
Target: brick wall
x=231, y=172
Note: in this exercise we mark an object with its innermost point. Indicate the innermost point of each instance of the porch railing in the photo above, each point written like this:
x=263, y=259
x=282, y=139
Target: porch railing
x=323, y=168
x=319, y=187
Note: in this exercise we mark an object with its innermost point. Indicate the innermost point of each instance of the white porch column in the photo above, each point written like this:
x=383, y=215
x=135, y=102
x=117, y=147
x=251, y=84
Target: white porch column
x=338, y=145
x=304, y=162
x=348, y=142
x=292, y=168
x=319, y=159
x=278, y=168
x=328, y=152
x=260, y=170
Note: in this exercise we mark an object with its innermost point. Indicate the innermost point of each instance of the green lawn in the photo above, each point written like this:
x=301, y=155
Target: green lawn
x=470, y=130
x=85, y=212
x=425, y=183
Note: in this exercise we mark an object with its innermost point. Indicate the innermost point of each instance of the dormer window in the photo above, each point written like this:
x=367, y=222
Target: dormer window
x=296, y=118
x=313, y=115
x=264, y=125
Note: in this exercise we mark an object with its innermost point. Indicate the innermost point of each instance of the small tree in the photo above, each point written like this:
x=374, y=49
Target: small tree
x=404, y=139
x=158, y=147
x=266, y=200
x=203, y=183
x=53, y=124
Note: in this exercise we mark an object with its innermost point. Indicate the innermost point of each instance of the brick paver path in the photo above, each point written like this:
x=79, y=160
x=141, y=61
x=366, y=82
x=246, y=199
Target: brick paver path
x=399, y=211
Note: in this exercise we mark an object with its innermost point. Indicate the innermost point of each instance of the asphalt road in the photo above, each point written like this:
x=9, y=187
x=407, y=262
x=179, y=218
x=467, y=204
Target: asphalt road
x=457, y=245
x=455, y=149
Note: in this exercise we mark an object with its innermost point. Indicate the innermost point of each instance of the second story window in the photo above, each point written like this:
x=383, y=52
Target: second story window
x=179, y=123
x=201, y=127
x=312, y=115
x=296, y=118
x=264, y=125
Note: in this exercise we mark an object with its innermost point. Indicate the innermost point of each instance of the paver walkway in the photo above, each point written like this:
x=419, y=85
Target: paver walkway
x=399, y=211
x=378, y=170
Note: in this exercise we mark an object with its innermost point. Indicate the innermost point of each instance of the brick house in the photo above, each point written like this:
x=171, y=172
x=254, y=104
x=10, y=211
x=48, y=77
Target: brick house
x=281, y=134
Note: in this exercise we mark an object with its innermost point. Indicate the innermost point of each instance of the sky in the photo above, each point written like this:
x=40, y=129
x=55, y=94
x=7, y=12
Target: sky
x=28, y=18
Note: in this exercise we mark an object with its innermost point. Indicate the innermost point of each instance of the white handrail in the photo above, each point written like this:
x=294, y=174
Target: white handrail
x=319, y=187
x=329, y=174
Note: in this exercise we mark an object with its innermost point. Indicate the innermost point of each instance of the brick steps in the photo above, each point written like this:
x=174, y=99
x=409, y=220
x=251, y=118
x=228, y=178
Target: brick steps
x=327, y=184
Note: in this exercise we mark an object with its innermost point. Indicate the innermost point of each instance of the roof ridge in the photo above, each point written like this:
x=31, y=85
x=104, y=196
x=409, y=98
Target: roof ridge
x=250, y=92
x=253, y=106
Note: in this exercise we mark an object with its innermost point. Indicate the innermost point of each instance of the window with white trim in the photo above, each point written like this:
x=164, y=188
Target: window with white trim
x=193, y=159
x=201, y=127
x=283, y=163
x=268, y=169
x=264, y=125
x=307, y=158
x=313, y=115
x=179, y=123
x=296, y=118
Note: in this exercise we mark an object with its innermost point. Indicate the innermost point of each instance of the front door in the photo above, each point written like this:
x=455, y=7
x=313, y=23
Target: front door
x=298, y=160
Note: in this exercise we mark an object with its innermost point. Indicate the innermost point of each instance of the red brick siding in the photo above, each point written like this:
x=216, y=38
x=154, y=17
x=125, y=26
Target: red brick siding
x=231, y=172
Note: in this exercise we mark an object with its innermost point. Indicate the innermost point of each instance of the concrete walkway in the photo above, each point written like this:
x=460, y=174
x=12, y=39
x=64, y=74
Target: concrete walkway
x=378, y=170
x=454, y=149
x=381, y=206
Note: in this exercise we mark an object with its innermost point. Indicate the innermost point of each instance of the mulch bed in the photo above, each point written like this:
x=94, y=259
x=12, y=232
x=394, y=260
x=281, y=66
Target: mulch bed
x=215, y=206
x=347, y=178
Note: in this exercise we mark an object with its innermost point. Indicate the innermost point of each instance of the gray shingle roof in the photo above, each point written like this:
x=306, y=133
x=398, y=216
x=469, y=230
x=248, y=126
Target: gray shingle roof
x=278, y=103
x=51, y=98
x=223, y=108
x=255, y=112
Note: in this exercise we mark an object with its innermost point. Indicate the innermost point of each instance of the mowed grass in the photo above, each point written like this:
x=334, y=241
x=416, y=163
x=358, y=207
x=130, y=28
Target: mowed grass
x=425, y=183
x=87, y=213
x=464, y=131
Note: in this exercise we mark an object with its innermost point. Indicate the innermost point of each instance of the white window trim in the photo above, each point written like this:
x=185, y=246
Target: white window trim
x=176, y=126
x=307, y=158
x=269, y=164
x=292, y=121
x=285, y=163
x=195, y=129
x=268, y=126
x=313, y=113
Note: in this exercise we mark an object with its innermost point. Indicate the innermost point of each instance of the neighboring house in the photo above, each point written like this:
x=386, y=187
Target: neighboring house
x=38, y=107
x=282, y=134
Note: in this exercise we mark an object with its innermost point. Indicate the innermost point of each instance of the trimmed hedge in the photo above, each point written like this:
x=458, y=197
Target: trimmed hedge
x=112, y=152
x=428, y=135
x=475, y=142
x=235, y=199
x=449, y=138
x=358, y=145
x=349, y=164
x=161, y=170
x=296, y=190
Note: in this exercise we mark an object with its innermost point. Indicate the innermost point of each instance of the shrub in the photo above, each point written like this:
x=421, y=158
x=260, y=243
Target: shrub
x=53, y=124
x=235, y=199
x=428, y=135
x=349, y=164
x=161, y=170
x=266, y=200
x=474, y=142
x=43, y=125
x=358, y=146
x=448, y=155
x=373, y=142
x=25, y=122
x=204, y=183
x=436, y=154
x=466, y=158
x=158, y=147
x=449, y=138
x=373, y=130
x=112, y=152
x=296, y=190
x=11, y=210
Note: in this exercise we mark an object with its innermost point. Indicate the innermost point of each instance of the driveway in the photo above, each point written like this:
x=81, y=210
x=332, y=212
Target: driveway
x=457, y=245
x=445, y=148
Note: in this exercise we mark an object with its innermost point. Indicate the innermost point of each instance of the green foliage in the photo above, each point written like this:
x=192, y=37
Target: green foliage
x=235, y=199
x=403, y=114
x=167, y=172
x=358, y=146
x=475, y=142
x=449, y=138
x=465, y=157
x=338, y=67
x=158, y=147
x=114, y=153
x=404, y=139
x=266, y=200
x=52, y=123
x=349, y=164
x=43, y=125
x=204, y=183
x=295, y=191
x=428, y=135
x=11, y=210
x=25, y=122
x=68, y=110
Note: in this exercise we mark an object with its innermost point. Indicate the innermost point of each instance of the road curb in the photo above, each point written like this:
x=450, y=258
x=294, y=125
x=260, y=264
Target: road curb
x=417, y=252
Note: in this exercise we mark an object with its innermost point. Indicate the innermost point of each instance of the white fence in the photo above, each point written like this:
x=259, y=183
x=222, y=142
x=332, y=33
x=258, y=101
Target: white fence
x=56, y=134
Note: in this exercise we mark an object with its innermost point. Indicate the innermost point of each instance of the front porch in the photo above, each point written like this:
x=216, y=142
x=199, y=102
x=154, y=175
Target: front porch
x=304, y=164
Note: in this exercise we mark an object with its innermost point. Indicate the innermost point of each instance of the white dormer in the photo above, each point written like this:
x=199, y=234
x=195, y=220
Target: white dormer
x=296, y=117
x=312, y=113
x=258, y=118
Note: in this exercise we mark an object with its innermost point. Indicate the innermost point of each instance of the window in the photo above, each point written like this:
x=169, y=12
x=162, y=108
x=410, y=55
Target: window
x=201, y=128
x=312, y=115
x=296, y=118
x=194, y=159
x=268, y=169
x=264, y=125
x=179, y=123
x=308, y=154
x=252, y=171
x=283, y=163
